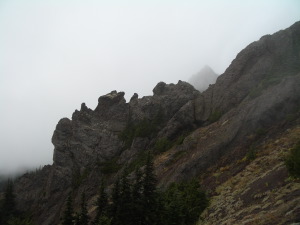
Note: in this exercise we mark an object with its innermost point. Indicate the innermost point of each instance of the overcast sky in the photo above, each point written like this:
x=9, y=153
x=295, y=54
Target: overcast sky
x=56, y=54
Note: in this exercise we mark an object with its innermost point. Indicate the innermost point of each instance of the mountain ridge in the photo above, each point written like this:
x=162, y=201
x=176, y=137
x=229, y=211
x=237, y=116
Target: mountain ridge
x=205, y=77
x=202, y=132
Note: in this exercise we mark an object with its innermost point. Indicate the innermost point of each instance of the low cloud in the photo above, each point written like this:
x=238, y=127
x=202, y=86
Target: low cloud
x=57, y=54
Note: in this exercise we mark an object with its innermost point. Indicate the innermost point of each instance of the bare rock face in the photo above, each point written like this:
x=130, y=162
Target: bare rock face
x=62, y=133
x=167, y=99
x=258, y=90
x=92, y=135
x=84, y=145
x=183, y=121
x=214, y=141
x=260, y=65
x=112, y=107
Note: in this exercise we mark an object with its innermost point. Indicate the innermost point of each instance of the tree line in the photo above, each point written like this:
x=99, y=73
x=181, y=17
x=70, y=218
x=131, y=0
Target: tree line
x=9, y=215
x=137, y=201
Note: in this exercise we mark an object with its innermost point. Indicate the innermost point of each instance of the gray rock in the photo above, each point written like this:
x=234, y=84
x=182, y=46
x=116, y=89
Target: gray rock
x=260, y=64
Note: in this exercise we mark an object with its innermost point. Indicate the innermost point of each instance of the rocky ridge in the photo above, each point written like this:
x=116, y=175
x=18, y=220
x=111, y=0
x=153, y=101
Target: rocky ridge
x=204, y=131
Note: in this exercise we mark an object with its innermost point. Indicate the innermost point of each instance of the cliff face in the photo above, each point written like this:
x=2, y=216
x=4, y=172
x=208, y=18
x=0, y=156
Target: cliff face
x=85, y=146
x=248, y=105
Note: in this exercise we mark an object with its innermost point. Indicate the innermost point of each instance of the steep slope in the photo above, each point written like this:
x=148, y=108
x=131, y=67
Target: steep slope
x=262, y=193
x=201, y=134
x=249, y=96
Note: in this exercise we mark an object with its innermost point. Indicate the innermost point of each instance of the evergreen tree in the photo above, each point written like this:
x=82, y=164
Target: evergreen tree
x=183, y=203
x=172, y=205
x=104, y=220
x=115, y=206
x=149, y=181
x=83, y=218
x=195, y=201
x=150, y=196
x=102, y=206
x=68, y=213
x=125, y=201
x=20, y=221
x=292, y=161
x=77, y=219
x=8, y=209
x=137, y=201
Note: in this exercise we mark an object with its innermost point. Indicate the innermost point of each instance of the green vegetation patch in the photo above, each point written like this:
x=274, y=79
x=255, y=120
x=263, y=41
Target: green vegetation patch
x=183, y=202
x=110, y=166
x=136, y=200
x=9, y=214
x=251, y=154
x=292, y=161
x=261, y=132
x=144, y=128
x=138, y=162
x=180, y=140
x=215, y=116
x=162, y=145
x=78, y=178
x=294, y=114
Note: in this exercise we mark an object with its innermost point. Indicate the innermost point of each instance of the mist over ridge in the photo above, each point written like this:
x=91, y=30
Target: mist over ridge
x=203, y=78
x=54, y=56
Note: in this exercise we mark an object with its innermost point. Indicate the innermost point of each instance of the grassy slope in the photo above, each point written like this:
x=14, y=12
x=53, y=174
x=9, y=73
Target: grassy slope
x=261, y=193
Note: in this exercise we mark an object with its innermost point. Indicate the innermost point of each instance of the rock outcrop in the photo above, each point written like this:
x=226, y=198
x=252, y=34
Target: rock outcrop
x=260, y=65
x=86, y=143
x=206, y=131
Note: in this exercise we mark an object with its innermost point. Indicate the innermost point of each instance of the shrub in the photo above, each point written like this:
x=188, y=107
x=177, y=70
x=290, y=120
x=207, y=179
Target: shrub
x=110, y=166
x=144, y=128
x=251, y=154
x=162, y=145
x=180, y=140
x=127, y=135
x=214, y=116
x=20, y=221
x=292, y=161
x=261, y=132
x=138, y=162
x=183, y=202
x=78, y=178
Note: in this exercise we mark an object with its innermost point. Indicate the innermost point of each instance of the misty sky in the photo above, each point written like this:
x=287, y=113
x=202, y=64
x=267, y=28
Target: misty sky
x=56, y=54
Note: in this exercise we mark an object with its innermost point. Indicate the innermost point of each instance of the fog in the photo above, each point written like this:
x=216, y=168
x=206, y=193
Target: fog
x=56, y=54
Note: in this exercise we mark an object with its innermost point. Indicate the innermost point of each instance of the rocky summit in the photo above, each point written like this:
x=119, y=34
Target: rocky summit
x=203, y=78
x=233, y=138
